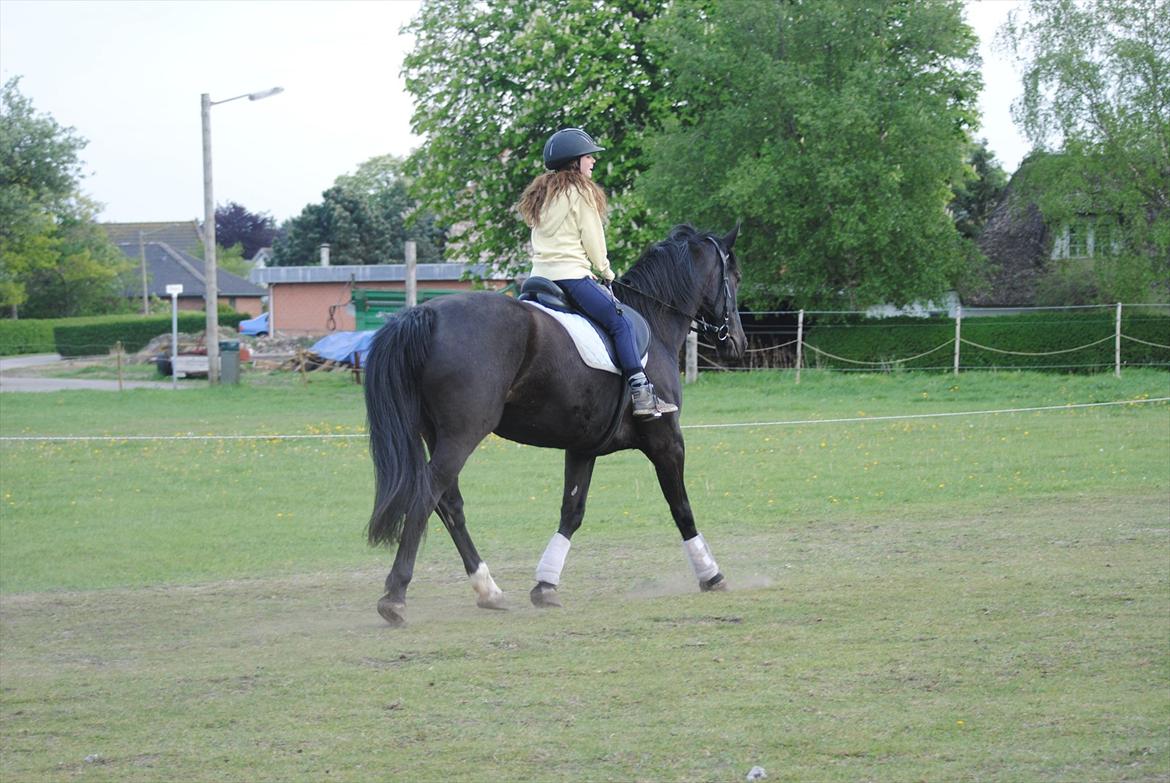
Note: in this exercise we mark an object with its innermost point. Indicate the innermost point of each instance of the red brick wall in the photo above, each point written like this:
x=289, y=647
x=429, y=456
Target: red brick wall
x=303, y=308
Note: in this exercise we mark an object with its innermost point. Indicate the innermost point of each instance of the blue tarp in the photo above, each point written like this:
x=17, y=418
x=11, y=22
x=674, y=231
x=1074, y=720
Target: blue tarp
x=341, y=346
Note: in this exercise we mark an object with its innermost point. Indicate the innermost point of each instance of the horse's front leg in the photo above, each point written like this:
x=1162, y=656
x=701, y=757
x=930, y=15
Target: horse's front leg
x=668, y=458
x=578, y=474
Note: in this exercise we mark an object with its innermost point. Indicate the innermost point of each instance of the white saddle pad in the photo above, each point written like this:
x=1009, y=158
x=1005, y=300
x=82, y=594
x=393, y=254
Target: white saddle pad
x=585, y=337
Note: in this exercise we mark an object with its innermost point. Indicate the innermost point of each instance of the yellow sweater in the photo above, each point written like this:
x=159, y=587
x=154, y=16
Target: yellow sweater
x=569, y=243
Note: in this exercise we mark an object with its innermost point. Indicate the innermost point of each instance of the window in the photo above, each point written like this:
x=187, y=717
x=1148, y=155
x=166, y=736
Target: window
x=1085, y=237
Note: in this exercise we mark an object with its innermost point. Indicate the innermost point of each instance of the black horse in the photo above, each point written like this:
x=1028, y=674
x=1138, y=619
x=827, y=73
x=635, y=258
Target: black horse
x=449, y=372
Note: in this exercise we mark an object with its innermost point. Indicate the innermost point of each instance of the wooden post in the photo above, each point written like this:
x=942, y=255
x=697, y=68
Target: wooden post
x=958, y=333
x=118, y=351
x=799, y=343
x=1117, y=344
x=692, y=358
x=410, y=251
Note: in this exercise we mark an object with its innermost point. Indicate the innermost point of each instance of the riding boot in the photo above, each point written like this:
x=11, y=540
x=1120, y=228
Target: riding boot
x=647, y=406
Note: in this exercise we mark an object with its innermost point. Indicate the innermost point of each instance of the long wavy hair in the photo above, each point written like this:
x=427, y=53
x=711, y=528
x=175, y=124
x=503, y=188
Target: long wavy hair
x=551, y=184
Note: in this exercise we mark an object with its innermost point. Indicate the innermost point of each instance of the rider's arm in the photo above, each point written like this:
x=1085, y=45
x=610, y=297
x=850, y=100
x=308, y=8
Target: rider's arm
x=593, y=238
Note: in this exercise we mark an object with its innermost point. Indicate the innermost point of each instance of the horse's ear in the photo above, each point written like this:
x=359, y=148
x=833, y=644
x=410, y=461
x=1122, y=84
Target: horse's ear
x=729, y=240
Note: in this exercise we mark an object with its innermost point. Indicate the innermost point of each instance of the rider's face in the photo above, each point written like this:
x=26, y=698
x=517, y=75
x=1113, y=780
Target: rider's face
x=585, y=163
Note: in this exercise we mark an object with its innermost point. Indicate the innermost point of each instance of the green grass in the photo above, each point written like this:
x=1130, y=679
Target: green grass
x=967, y=598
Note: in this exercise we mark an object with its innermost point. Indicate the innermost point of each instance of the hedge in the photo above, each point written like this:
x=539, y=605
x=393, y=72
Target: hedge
x=29, y=335
x=88, y=337
x=889, y=340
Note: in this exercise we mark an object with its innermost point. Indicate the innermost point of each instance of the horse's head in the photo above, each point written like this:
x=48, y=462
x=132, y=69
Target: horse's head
x=718, y=269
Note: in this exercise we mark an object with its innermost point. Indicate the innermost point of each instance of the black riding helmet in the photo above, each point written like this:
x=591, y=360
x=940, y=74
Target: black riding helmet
x=566, y=145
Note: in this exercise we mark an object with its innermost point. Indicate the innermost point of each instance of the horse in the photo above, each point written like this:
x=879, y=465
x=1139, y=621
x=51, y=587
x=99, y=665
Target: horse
x=442, y=376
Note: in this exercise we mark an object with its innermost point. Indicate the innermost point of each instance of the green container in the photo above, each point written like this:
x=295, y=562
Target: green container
x=229, y=361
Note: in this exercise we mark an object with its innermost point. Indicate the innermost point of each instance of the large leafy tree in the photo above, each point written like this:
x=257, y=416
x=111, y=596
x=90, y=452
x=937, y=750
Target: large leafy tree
x=54, y=261
x=235, y=225
x=1097, y=95
x=366, y=217
x=834, y=130
x=491, y=82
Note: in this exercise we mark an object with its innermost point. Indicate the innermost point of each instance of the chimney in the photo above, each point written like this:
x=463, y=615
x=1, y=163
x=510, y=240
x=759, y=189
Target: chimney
x=325, y=254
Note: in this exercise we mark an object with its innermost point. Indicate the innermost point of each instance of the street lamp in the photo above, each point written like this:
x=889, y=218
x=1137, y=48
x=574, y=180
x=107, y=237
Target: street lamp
x=210, y=273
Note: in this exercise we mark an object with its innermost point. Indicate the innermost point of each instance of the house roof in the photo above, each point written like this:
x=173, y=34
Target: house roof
x=165, y=266
x=1017, y=244
x=183, y=235
x=364, y=273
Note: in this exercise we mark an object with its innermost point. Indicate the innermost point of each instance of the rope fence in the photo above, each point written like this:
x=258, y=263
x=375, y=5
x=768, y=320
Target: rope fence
x=721, y=426
x=956, y=342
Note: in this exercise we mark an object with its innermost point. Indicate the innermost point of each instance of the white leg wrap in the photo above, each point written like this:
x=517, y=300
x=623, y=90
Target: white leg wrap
x=702, y=561
x=553, y=560
x=485, y=587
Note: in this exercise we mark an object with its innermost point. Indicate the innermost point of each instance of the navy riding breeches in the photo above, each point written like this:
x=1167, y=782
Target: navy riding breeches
x=589, y=297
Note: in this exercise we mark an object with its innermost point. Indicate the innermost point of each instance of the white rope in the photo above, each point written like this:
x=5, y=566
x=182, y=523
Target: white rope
x=119, y=438
x=782, y=423
x=1026, y=353
x=1143, y=342
x=904, y=417
x=880, y=364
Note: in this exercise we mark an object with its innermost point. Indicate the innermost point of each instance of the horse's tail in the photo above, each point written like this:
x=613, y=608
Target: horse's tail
x=394, y=417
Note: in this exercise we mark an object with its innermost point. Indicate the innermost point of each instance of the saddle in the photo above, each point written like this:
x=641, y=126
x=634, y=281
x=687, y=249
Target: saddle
x=547, y=295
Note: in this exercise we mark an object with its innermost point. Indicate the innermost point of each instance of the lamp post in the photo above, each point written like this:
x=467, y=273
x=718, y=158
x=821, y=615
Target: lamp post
x=210, y=273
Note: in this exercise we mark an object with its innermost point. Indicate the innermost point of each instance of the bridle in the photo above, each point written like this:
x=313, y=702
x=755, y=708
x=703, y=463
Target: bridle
x=721, y=331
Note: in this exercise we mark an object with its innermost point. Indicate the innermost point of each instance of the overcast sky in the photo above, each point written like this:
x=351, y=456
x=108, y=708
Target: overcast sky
x=128, y=77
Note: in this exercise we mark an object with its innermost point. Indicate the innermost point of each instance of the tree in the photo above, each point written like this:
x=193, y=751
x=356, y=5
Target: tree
x=492, y=81
x=365, y=218
x=81, y=274
x=1097, y=96
x=979, y=191
x=52, y=255
x=833, y=130
x=236, y=225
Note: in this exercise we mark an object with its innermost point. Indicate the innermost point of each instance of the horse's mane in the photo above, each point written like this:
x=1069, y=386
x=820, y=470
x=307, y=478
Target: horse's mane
x=665, y=272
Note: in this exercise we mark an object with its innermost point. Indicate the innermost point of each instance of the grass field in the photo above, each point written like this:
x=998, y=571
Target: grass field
x=982, y=597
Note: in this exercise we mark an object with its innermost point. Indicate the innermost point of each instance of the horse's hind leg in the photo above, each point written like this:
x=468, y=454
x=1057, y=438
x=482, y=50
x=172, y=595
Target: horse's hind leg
x=392, y=605
x=447, y=459
x=450, y=509
x=578, y=474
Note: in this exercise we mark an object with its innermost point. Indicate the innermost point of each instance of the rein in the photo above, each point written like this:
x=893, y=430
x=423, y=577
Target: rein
x=721, y=331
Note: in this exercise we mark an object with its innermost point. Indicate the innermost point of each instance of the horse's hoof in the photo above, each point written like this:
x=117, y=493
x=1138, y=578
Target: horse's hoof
x=715, y=584
x=544, y=596
x=393, y=612
x=493, y=601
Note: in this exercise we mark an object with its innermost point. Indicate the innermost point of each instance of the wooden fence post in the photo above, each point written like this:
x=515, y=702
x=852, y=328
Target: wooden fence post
x=692, y=360
x=118, y=351
x=1117, y=344
x=799, y=343
x=410, y=256
x=958, y=334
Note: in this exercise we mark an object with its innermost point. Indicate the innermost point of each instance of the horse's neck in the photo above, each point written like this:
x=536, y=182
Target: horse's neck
x=673, y=330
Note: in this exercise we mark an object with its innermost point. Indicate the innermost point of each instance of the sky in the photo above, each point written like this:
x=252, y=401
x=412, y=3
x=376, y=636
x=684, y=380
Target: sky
x=128, y=76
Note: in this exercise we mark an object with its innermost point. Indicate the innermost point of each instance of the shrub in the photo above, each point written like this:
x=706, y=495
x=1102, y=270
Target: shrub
x=28, y=335
x=90, y=336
